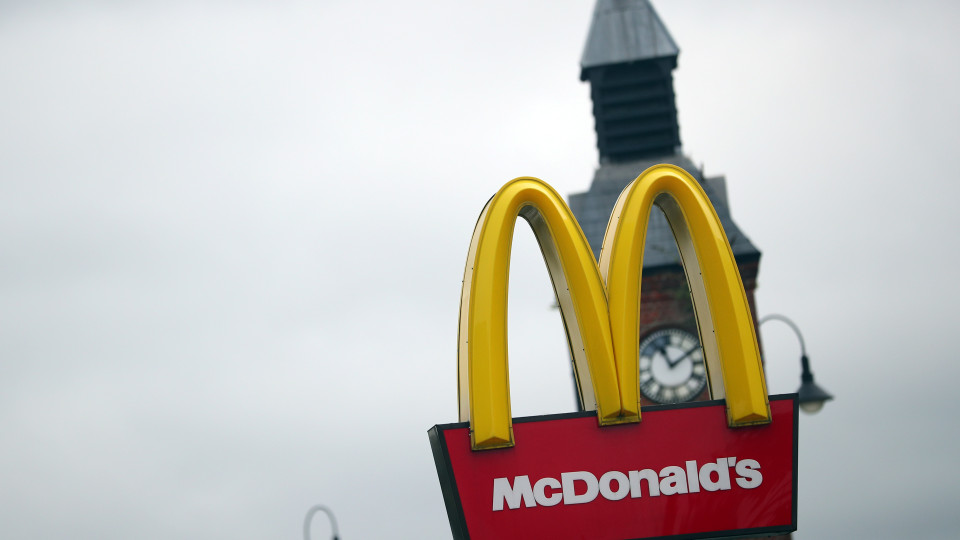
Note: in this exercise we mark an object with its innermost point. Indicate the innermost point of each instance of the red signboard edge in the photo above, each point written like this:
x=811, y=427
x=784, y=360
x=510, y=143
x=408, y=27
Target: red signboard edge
x=451, y=496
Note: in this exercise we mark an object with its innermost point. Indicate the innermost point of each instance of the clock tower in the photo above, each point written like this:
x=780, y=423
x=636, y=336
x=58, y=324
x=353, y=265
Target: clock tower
x=628, y=61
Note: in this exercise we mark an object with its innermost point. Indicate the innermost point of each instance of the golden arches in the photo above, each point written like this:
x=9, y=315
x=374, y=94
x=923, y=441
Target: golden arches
x=603, y=335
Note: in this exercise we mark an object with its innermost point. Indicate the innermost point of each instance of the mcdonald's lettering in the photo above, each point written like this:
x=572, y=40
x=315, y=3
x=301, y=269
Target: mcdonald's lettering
x=618, y=485
x=725, y=467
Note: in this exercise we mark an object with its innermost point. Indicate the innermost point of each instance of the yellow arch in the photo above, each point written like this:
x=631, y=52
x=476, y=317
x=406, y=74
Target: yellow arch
x=483, y=384
x=723, y=315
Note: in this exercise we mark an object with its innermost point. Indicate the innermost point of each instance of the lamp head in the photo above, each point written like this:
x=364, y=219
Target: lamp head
x=812, y=397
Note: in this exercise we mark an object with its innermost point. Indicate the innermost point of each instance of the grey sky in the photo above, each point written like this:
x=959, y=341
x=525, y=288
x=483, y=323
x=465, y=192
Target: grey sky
x=232, y=237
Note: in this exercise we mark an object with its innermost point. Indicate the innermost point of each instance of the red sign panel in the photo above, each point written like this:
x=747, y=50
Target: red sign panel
x=681, y=472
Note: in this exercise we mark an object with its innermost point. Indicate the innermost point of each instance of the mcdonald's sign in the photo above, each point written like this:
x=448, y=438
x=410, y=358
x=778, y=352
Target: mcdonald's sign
x=725, y=467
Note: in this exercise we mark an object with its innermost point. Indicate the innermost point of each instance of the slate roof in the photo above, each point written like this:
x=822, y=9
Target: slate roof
x=592, y=209
x=625, y=31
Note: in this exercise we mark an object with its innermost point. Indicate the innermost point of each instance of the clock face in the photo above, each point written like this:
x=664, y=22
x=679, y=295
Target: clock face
x=671, y=366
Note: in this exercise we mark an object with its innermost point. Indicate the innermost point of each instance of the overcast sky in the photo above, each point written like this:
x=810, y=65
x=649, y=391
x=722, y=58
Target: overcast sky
x=232, y=236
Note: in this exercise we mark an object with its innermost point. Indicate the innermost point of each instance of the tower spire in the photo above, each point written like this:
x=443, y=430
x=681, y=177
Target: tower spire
x=629, y=60
x=625, y=31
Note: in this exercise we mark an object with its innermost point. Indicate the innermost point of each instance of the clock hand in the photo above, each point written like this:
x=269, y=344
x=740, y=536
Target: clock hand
x=663, y=351
x=682, y=356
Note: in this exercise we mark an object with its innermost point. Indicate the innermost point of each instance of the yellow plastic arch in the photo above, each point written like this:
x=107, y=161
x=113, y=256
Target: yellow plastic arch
x=727, y=333
x=483, y=384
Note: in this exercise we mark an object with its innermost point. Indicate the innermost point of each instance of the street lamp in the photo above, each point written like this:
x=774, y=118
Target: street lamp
x=812, y=397
x=309, y=518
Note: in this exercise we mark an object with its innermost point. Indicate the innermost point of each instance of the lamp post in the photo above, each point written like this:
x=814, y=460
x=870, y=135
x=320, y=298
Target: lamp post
x=333, y=522
x=811, y=396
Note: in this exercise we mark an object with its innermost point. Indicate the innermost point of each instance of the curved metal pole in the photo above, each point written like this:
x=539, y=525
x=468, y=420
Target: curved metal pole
x=810, y=396
x=803, y=347
x=313, y=510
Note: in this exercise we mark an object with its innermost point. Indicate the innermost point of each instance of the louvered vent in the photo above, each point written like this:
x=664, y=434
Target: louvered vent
x=634, y=109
